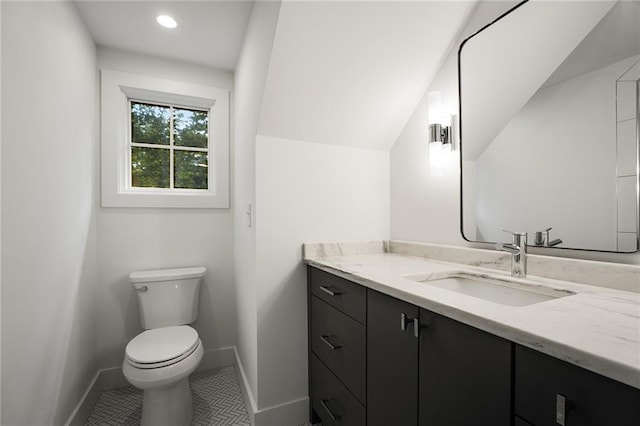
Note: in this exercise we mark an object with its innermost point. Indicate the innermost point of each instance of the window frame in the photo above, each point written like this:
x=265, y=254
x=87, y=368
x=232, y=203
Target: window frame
x=172, y=147
x=118, y=91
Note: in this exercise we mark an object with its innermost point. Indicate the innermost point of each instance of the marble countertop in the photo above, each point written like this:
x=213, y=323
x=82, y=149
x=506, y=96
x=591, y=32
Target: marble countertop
x=597, y=328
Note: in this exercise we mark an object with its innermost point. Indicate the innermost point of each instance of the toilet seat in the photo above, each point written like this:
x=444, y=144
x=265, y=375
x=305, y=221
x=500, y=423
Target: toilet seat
x=161, y=347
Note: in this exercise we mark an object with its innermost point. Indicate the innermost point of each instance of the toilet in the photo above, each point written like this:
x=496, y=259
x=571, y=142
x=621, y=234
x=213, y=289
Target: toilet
x=160, y=359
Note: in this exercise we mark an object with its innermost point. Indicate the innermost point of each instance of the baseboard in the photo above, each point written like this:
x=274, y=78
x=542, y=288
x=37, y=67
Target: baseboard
x=249, y=401
x=292, y=413
x=217, y=358
x=112, y=378
x=82, y=411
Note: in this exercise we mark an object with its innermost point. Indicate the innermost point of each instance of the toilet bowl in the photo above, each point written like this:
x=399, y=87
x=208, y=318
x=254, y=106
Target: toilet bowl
x=160, y=359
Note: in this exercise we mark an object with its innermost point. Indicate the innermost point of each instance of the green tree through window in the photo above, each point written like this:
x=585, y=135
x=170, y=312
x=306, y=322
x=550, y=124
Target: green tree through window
x=169, y=147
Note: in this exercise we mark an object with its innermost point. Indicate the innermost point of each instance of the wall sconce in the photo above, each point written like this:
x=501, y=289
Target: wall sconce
x=440, y=134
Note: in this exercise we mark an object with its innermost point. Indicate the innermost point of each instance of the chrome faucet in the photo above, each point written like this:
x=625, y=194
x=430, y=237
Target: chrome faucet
x=518, y=250
x=543, y=239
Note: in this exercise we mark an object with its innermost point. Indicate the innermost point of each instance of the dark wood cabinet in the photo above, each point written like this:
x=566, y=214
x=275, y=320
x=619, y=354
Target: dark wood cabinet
x=337, y=350
x=367, y=366
x=465, y=374
x=392, y=361
x=551, y=392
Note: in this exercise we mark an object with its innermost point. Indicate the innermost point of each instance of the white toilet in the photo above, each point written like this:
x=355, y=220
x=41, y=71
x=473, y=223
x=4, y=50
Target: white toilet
x=160, y=359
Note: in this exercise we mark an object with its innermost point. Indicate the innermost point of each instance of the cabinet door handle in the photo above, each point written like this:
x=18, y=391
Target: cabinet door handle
x=324, y=405
x=329, y=291
x=405, y=320
x=325, y=339
x=563, y=407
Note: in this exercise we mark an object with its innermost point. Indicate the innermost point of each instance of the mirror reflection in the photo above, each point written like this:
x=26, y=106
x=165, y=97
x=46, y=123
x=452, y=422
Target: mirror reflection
x=549, y=113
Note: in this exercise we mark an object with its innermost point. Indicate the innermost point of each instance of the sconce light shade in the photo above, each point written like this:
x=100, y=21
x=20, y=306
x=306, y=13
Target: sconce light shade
x=434, y=106
x=438, y=130
x=440, y=134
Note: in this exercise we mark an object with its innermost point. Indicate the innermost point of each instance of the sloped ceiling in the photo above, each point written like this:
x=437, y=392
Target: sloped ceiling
x=506, y=64
x=352, y=73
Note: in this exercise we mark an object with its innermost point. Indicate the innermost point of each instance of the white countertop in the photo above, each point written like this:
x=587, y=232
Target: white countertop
x=597, y=328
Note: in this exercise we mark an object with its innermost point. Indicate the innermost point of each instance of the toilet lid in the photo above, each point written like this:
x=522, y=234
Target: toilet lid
x=161, y=344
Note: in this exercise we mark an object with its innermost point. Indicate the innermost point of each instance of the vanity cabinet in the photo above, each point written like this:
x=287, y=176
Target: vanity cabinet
x=378, y=361
x=551, y=392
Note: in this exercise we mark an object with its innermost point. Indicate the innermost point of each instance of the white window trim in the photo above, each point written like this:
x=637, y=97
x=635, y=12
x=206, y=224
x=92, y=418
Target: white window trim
x=117, y=89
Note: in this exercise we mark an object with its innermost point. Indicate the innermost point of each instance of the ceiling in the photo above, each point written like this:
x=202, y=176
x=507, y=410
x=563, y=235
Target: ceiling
x=209, y=33
x=616, y=37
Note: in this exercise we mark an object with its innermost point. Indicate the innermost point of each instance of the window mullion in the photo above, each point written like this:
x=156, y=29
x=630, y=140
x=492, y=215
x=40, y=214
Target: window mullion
x=171, y=151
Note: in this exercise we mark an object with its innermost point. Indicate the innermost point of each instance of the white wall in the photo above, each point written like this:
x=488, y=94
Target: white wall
x=550, y=147
x=142, y=239
x=250, y=77
x=425, y=208
x=49, y=181
x=305, y=192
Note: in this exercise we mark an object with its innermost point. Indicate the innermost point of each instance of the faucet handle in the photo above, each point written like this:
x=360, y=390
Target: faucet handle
x=515, y=233
x=542, y=237
x=519, y=238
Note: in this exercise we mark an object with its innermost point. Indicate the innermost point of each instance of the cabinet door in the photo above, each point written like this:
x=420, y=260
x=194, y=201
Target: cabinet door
x=551, y=392
x=465, y=374
x=392, y=361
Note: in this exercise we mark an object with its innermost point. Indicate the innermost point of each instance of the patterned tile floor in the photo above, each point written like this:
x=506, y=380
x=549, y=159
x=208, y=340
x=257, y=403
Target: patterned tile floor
x=217, y=400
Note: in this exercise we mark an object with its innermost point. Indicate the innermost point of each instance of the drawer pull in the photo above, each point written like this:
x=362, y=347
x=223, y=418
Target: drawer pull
x=324, y=405
x=325, y=339
x=329, y=291
x=405, y=320
x=563, y=407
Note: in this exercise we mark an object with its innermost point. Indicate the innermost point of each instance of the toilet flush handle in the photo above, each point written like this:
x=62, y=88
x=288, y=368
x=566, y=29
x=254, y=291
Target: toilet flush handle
x=142, y=289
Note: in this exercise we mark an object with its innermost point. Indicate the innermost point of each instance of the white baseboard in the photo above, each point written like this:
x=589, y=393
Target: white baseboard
x=82, y=411
x=112, y=378
x=292, y=413
x=249, y=401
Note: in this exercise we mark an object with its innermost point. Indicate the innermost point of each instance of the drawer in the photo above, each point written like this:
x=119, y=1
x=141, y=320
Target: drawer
x=340, y=343
x=541, y=382
x=331, y=400
x=521, y=422
x=348, y=297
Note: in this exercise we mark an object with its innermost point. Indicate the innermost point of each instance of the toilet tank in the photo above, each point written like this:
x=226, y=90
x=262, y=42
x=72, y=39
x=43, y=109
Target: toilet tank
x=168, y=297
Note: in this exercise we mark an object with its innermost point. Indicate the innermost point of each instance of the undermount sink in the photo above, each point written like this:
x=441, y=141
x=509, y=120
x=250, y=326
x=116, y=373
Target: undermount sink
x=495, y=289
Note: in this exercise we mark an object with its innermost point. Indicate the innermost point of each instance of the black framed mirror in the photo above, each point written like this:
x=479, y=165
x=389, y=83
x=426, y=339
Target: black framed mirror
x=550, y=125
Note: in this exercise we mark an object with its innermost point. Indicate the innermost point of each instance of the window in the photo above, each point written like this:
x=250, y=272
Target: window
x=169, y=147
x=164, y=143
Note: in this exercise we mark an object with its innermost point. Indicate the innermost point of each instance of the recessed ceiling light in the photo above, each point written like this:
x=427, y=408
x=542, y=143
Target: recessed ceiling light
x=166, y=21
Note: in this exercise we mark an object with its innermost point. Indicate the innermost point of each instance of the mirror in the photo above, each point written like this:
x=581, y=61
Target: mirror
x=549, y=123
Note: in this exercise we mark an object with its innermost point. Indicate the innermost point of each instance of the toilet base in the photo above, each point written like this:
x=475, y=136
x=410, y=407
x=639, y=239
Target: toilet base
x=168, y=406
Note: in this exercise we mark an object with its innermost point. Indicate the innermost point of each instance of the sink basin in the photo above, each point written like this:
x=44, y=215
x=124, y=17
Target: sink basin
x=492, y=288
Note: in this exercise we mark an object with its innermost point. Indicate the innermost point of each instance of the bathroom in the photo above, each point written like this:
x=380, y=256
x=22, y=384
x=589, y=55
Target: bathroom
x=327, y=143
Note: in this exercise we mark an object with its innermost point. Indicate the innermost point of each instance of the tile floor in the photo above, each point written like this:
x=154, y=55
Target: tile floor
x=217, y=401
